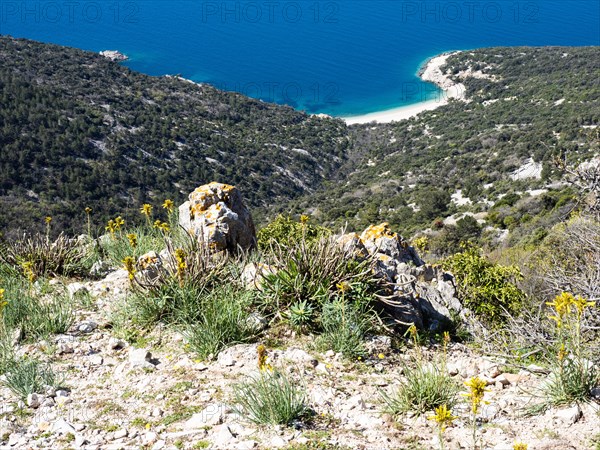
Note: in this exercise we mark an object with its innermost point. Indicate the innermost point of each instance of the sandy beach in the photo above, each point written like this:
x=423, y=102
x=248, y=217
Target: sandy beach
x=431, y=73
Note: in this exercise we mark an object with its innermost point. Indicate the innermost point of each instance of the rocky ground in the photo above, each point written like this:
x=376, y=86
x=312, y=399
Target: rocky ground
x=156, y=395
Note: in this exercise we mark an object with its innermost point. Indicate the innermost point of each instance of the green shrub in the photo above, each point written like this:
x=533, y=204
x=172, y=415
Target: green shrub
x=284, y=230
x=220, y=321
x=270, y=398
x=486, y=288
x=300, y=315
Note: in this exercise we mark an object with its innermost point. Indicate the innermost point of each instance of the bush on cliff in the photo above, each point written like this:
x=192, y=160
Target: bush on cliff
x=486, y=288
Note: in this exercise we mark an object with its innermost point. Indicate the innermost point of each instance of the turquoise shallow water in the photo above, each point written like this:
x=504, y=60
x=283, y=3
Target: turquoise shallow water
x=337, y=57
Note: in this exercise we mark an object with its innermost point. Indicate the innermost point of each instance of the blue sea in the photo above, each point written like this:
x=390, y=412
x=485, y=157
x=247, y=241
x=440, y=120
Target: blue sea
x=342, y=58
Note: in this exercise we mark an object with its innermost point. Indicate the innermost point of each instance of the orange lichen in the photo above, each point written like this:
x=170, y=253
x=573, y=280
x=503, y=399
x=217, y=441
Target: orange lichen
x=378, y=231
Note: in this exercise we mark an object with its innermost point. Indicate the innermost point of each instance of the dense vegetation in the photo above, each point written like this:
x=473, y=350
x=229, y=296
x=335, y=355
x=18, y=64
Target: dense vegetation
x=79, y=130
x=529, y=103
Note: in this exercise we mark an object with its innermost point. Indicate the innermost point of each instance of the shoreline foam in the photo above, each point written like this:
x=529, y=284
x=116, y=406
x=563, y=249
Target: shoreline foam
x=431, y=72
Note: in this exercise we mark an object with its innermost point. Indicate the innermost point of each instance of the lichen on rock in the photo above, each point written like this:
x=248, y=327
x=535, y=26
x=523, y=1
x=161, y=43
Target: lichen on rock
x=216, y=215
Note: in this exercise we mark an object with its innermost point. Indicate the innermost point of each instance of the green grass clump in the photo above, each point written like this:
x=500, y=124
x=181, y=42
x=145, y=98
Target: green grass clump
x=573, y=374
x=311, y=272
x=117, y=246
x=424, y=388
x=37, y=312
x=270, y=398
x=345, y=326
x=27, y=376
x=38, y=256
x=220, y=321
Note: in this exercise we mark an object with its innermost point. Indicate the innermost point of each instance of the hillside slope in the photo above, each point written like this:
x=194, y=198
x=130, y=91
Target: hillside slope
x=78, y=130
x=525, y=106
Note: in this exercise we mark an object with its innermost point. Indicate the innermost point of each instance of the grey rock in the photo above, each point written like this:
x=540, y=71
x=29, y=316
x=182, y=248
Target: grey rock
x=209, y=416
x=14, y=439
x=76, y=289
x=569, y=415
x=116, y=344
x=64, y=348
x=80, y=441
x=34, y=400
x=222, y=436
x=139, y=356
x=96, y=360
x=149, y=438
x=119, y=434
x=149, y=267
x=215, y=213
x=100, y=269
x=48, y=402
x=277, y=442
x=245, y=445
x=87, y=326
x=225, y=360
x=297, y=355
x=61, y=426
x=160, y=444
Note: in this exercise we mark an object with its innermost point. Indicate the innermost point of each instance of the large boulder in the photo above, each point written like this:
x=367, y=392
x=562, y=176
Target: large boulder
x=421, y=294
x=215, y=213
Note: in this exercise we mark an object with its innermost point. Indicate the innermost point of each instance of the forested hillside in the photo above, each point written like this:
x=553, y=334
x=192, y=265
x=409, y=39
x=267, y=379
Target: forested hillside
x=77, y=131
x=525, y=107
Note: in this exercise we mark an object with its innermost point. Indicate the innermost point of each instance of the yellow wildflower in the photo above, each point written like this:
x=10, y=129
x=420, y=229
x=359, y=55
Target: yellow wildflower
x=129, y=264
x=261, y=351
x=304, y=218
x=163, y=226
x=443, y=417
x=3, y=302
x=48, y=219
x=519, y=446
x=110, y=227
x=412, y=330
x=562, y=305
x=28, y=271
x=88, y=210
x=446, y=338
x=381, y=356
x=343, y=287
x=146, y=209
x=168, y=205
x=477, y=389
x=132, y=240
x=581, y=304
x=119, y=222
x=180, y=256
